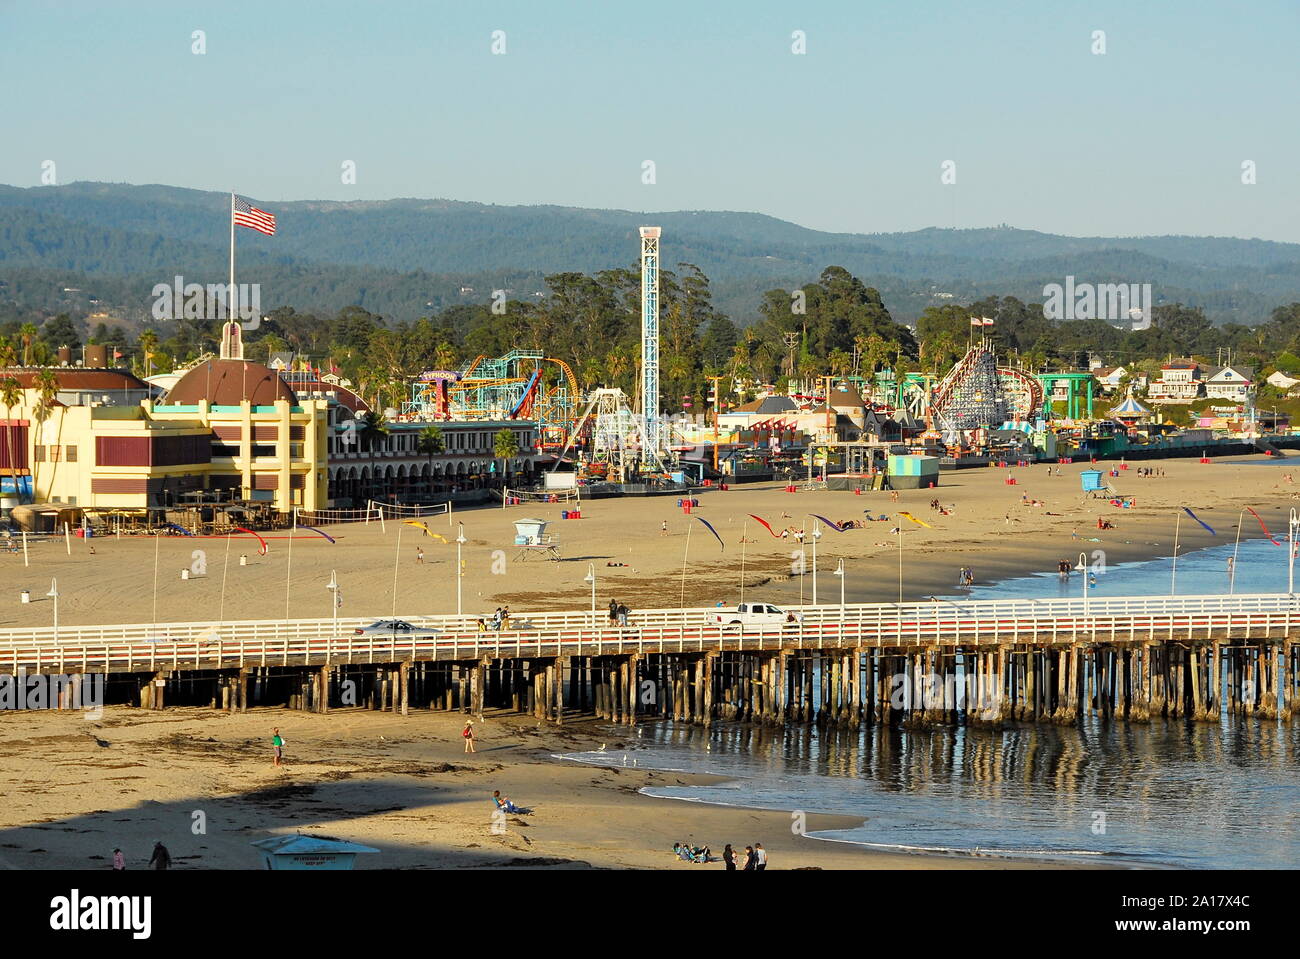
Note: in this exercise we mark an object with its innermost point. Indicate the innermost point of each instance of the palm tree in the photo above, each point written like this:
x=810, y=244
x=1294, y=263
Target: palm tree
x=374, y=428
x=46, y=385
x=430, y=442
x=28, y=334
x=148, y=343
x=8, y=355
x=505, y=445
x=11, y=395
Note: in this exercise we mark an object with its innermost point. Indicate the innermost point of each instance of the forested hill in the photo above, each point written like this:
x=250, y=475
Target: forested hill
x=408, y=257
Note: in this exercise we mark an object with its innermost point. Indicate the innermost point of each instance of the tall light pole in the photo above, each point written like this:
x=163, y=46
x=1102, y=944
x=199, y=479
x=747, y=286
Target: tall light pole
x=1173, y=574
x=900, y=558
x=460, y=542
x=335, y=598
x=816, y=535
x=839, y=571
x=591, y=578
x=1293, y=537
x=54, y=595
x=1083, y=574
x=1232, y=570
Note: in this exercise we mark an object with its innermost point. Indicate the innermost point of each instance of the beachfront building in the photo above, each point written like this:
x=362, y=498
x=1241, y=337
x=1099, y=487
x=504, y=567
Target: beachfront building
x=81, y=450
x=1180, y=381
x=392, y=466
x=1230, y=383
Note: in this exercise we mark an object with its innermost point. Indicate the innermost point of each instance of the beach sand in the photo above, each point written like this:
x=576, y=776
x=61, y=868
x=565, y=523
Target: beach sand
x=77, y=788
x=989, y=530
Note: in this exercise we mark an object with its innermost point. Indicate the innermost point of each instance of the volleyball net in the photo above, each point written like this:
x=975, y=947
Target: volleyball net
x=523, y=497
x=324, y=517
x=398, y=511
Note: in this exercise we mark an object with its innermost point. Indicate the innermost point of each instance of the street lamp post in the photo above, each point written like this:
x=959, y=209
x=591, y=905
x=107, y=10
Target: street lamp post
x=460, y=541
x=816, y=535
x=54, y=595
x=839, y=571
x=333, y=587
x=591, y=578
x=1232, y=569
x=1293, y=537
x=1083, y=573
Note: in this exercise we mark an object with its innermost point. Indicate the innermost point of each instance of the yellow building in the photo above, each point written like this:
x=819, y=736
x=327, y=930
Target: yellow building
x=228, y=429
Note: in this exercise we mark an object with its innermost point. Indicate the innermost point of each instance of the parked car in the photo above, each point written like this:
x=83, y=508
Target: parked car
x=755, y=614
x=395, y=627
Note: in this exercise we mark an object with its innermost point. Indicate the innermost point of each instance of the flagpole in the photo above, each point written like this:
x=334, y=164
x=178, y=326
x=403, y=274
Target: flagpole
x=230, y=292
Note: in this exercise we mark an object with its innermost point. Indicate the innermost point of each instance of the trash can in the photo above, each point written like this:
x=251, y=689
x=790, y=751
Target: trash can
x=564, y=514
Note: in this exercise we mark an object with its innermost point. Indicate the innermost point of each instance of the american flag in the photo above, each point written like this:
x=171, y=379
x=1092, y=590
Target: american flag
x=248, y=215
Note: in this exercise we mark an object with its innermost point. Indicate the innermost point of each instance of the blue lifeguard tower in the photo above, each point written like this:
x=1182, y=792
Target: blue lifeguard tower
x=309, y=853
x=1091, y=480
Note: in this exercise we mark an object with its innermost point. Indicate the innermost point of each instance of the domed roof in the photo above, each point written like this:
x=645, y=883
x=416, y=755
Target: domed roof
x=228, y=383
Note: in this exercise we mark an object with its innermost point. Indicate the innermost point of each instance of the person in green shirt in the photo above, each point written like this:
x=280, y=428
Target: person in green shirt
x=278, y=744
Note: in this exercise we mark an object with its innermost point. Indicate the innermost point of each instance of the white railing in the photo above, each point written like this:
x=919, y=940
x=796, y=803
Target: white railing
x=281, y=642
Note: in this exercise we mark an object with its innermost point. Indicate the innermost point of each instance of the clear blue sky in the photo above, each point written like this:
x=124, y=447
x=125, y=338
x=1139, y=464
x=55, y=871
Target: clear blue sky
x=1146, y=139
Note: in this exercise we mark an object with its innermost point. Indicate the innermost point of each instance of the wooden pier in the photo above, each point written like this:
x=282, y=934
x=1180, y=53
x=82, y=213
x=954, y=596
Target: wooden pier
x=1027, y=661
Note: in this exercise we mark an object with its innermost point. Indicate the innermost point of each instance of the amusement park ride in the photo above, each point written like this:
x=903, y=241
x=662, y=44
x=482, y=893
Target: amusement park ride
x=527, y=385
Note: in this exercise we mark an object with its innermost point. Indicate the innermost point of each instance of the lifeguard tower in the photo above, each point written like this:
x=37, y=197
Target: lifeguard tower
x=1092, y=483
x=534, y=542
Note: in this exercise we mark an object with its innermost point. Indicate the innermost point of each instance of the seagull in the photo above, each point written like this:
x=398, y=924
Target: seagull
x=602, y=747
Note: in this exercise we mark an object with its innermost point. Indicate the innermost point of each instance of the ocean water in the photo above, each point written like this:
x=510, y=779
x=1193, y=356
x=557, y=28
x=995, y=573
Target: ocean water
x=1164, y=794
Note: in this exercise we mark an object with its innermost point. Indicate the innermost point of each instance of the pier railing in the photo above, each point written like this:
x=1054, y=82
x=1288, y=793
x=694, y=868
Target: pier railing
x=218, y=645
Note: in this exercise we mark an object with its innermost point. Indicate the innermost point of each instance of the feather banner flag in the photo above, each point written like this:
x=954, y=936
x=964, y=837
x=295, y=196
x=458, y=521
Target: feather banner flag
x=1202, y=522
x=262, y=548
x=315, y=530
x=835, y=526
x=767, y=526
x=427, y=531
x=713, y=531
x=918, y=522
x=1263, y=527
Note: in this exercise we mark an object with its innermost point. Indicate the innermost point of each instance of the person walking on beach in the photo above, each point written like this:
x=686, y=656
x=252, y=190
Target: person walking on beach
x=729, y=857
x=750, y=861
x=161, y=858
x=419, y=556
x=663, y=528
x=468, y=735
x=760, y=857
x=277, y=745
x=119, y=863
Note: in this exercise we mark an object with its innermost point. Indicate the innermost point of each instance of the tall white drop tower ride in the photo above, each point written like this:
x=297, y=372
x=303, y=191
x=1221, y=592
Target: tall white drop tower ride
x=650, y=343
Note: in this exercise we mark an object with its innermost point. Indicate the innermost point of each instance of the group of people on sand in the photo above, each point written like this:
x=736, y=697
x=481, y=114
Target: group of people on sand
x=755, y=856
x=966, y=576
x=161, y=858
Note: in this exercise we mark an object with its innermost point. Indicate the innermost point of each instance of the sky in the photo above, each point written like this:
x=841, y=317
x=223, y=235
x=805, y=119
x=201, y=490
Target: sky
x=1015, y=100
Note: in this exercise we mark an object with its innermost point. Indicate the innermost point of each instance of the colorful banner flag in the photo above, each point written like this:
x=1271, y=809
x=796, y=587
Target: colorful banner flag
x=427, y=531
x=262, y=548
x=918, y=522
x=713, y=531
x=315, y=530
x=766, y=525
x=1263, y=527
x=835, y=526
x=1194, y=516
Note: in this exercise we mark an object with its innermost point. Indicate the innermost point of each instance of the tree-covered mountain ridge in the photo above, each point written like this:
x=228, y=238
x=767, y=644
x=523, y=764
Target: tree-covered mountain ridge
x=407, y=256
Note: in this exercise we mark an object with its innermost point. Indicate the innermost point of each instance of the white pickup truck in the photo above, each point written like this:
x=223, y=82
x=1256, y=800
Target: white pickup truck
x=755, y=614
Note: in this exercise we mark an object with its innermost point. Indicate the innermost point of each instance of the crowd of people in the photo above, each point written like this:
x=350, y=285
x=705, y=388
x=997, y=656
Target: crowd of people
x=755, y=856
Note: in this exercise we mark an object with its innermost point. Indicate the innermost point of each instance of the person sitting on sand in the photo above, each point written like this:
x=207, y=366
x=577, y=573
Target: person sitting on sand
x=504, y=803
